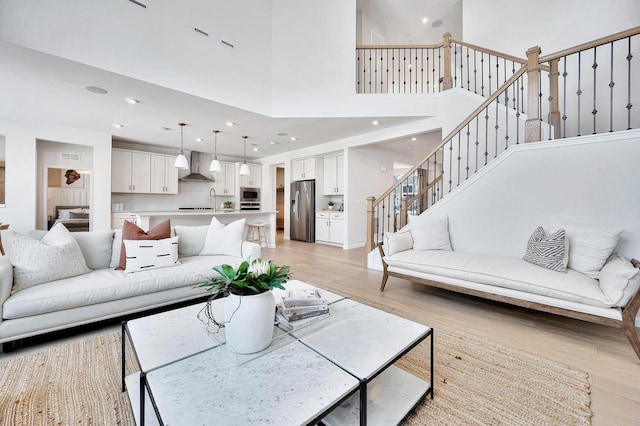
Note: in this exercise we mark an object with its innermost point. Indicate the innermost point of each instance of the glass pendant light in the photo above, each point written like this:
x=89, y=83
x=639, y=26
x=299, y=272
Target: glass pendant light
x=244, y=169
x=181, y=160
x=215, y=165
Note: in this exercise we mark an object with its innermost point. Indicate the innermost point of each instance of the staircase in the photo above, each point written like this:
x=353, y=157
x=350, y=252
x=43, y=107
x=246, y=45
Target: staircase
x=586, y=89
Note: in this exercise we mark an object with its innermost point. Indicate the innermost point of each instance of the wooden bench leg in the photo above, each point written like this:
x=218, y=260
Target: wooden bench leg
x=629, y=322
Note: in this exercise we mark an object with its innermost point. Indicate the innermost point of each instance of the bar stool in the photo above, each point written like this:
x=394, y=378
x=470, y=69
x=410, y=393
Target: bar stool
x=3, y=227
x=257, y=233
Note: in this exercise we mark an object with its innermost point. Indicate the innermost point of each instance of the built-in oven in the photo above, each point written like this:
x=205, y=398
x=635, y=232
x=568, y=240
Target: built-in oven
x=251, y=195
x=246, y=205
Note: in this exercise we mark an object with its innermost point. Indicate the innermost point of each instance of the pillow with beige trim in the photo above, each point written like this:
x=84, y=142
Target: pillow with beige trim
x=143, y=255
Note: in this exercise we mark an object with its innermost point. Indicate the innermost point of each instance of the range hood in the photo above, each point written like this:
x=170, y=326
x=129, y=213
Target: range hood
x=194, y=176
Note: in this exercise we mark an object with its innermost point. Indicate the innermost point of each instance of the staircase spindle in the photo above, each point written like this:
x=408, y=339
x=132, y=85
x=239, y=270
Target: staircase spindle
x=594, y=112
x=629, y=105
x=611, y=84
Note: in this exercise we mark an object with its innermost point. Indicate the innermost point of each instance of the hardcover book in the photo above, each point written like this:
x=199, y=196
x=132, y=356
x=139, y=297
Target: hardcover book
x=302, y=298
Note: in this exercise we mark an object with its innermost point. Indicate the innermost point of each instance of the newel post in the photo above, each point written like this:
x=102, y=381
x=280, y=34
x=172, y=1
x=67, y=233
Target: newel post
x=447, y=82
x=370, y=244
x=533, y=125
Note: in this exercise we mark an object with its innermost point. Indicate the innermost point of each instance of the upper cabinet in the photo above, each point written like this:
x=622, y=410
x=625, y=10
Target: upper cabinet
x=334, y=175
x=253, y=179
x=164, y=176
x=303, y=169
x=130, y=171
x=225, y=179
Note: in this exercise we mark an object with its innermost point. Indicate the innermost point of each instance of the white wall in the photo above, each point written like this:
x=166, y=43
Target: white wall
x=22, y=171
x=513, y=26
x=590, y=180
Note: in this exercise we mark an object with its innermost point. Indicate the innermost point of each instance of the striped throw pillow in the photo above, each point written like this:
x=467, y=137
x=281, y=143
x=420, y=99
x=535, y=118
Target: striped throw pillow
x=548, y=251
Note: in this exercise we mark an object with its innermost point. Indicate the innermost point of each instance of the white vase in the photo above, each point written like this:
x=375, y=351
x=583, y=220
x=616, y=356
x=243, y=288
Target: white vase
x=249, y=322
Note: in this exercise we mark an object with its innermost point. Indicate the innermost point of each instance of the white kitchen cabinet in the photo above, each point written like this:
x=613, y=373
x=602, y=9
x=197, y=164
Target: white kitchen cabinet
x=130, y=171
x=253, y=179
x=225, y=179
x=330, y=228
x=333, y=175
x=164, y=176
x=303, y=169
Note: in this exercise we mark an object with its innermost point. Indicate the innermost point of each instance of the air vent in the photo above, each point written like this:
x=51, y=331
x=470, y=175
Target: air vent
x=137, y=3
x=199, y=31
x=70, y=157
x=226, y=43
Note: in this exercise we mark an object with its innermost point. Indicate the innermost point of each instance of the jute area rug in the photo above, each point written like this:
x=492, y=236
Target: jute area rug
x=477, y=382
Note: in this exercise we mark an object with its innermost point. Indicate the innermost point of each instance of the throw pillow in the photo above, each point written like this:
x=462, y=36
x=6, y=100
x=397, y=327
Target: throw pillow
x=619, y=280
x=590, y=246
x=56, y=256
x=226, y=240
x=191, y=239
x=116, y=249
x=547, y=251
x=396, y=242
x=134, y=232
x=143, y=255
x=430, y=232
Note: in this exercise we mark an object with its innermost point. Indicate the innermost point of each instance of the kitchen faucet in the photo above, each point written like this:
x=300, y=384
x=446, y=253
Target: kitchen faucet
x=212, y=195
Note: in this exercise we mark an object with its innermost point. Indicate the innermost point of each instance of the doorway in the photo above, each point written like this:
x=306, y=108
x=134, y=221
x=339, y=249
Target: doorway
x=280, y=198
x=68, y=198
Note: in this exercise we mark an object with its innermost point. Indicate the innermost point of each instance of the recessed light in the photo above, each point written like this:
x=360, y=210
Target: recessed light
x=375, y=122
x=132, y=101
x=293, y=138
x=273, y=143
x=425, y=20
x=199, y=139
x=230, y=123
x=408, y=146
x=256, y=149
x=414, y=139
x=97, y=90
x=119, y=126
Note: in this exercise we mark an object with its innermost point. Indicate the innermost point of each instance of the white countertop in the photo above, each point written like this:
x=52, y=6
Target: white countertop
x=196, y=212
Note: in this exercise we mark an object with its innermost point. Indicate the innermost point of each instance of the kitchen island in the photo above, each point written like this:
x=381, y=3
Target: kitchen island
x=147, y=219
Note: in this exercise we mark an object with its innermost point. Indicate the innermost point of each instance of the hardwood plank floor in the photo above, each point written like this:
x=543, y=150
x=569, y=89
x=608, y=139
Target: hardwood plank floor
x=601, y=351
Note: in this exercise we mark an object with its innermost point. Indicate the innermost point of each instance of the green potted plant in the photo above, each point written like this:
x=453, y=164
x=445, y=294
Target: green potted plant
x=228, y=204
x=331, y=204
x=249, y=308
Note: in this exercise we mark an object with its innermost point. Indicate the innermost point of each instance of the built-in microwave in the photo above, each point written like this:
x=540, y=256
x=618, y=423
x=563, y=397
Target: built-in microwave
x=249, y=194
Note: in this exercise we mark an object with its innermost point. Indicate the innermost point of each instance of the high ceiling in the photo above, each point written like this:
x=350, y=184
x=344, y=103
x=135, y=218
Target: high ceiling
x=42, y=88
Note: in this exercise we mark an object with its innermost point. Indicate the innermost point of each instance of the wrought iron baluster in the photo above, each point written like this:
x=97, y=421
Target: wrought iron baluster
x=383, y=213
x=358, y=68
x=459, y=158
x=404, y=70
x=506, y=119
x=477, y=143
x=594, y=112
x=475, y=73
x=629, y=105
x=422, y=71
x=450, y=163
x=489, y=82
x=468, y=75
x=467, y=168
x=550, y=99
x=564, y=98
x=455, y=65
x=496, y=127
x=482, y=74
x=611, y=84
x=516, y=92
x=427, y=71
x=370, y=67
x=486, y=135
x=579, y=92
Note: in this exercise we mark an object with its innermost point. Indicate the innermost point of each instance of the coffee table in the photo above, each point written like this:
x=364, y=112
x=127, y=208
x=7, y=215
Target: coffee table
x=339, y=370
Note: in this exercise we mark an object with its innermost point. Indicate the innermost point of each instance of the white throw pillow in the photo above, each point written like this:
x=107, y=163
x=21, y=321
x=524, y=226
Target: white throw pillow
x=56, y=256
x=619, y=280
x=396, y=242
x=430, y=232
x=226, y=240
x=96, y=247
x=116, y=248
x=589, y=246
x=191, y=239
x=143, y=255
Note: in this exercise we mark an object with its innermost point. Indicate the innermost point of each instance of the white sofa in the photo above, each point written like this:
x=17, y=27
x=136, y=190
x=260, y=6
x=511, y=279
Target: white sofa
x=613, y=298
x=103, y=292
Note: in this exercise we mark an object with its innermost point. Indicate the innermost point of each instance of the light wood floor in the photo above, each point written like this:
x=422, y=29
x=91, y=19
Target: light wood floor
x=601, y=351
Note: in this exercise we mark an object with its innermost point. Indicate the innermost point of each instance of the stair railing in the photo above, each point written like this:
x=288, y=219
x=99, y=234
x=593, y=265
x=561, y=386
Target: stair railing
x=488, y=131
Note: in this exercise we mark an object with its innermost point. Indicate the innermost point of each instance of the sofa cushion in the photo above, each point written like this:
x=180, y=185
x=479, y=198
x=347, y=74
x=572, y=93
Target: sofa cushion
x=96, y=246
x=191, y=239
x=56, y=256
x=133, y=232
x=548, y=251
x=430, y=232
x=619, y=280
x=224, y=241
x=397, y=241
x=108, y=284
x=143, y=255
x=501, y=271
x=589, y=246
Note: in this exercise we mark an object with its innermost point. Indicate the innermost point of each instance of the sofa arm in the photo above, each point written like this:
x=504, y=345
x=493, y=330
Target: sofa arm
x=6, y=280
x=251, y=250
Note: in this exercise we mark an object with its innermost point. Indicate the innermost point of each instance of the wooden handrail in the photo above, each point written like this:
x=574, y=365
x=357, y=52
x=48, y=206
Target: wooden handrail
x=399, y=46
x=459, y=127
x=490, y=52
x=595, y=43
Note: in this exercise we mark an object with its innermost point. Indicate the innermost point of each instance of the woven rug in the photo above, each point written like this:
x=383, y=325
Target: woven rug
x=477, y=382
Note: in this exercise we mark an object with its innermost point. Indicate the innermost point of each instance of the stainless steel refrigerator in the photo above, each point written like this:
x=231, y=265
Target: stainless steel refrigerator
x=303, y=211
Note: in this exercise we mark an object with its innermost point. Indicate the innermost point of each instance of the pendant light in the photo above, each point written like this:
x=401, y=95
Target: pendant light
x=181, y=160
x=215, y=165
x=244, y=169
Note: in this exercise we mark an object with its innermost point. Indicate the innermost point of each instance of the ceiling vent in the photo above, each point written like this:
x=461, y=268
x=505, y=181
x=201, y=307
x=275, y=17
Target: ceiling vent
x=69, y=157
x=137, y=3
x=201, y=32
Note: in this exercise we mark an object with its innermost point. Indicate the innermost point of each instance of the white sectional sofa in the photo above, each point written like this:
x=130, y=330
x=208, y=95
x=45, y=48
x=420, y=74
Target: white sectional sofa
x=103, y=292
x=610, y=296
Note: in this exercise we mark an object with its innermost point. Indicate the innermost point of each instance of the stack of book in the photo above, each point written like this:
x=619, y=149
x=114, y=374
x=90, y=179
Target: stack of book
x=298, y=305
